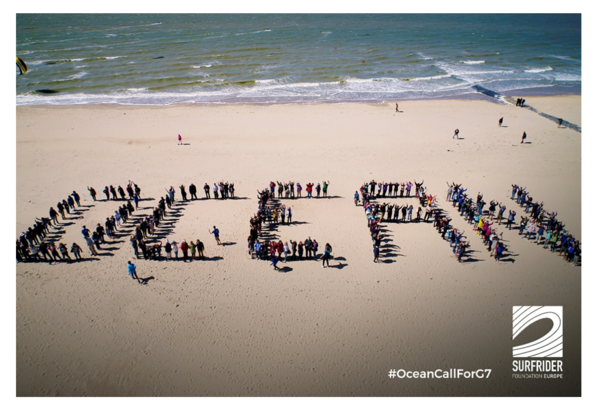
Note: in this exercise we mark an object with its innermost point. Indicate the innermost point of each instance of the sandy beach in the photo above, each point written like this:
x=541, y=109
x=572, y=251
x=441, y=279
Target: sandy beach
x=231, y=325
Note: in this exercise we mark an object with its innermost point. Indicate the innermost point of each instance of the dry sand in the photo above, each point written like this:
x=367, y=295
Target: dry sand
x=232, y=325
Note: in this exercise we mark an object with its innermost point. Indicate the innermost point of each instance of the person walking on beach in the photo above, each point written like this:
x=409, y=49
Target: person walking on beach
x=326, y=255
x=523, y=137
x=274, y=262
x=455, y=134
x=215, y=232
x=560, y=121
x=132, y=271
x=376, y=253
x=397, y=110
x=179, y=139
x=500, y=121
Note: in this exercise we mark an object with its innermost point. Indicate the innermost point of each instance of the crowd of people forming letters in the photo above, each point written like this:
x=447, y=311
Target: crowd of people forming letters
x=269, y=213
x=538, y=225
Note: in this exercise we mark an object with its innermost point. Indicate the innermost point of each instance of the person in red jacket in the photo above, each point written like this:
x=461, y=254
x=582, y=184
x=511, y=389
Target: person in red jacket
x=184, y=248
x=309, y=187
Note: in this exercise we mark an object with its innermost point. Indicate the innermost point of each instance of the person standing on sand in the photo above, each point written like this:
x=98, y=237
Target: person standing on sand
x=184, y=249
x=206, y=190
x=500, y=121
x=523, y=137
x=132, y=272
x=397, y=110
x=76, y=250
x=200, y=247
x=92, y=192
x=376, y=254
x=168, y=249
x=455, y=134
x=560, y=121
x=215, y=232
x=179, y=139
x=175, y=249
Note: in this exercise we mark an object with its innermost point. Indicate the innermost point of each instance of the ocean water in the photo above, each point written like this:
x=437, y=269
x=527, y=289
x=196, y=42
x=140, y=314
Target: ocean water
x=156, y=59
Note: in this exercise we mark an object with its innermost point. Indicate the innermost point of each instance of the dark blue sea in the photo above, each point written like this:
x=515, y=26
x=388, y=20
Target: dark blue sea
x=156, y=59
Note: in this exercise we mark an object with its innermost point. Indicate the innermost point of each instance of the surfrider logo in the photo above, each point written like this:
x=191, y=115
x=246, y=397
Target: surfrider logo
x=551, y=344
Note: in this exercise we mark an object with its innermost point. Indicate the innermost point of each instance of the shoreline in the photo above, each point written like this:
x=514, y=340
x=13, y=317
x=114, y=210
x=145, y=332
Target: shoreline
x=488, y=96
x=476, y=97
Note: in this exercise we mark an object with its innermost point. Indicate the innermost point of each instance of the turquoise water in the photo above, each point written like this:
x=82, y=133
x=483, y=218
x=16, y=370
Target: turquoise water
x=185, y=58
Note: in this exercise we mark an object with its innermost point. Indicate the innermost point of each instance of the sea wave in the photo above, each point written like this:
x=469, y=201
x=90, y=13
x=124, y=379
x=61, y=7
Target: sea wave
x=473, y=62
x=536, y=70
x=427, y=78
x=78, y=75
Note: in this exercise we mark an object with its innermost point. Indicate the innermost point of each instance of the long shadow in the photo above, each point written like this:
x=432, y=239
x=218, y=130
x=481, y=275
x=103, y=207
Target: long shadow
x=144, y=281
x=285, y=269
x=216, y=258
x=109, y=248
x=339, y=266
x=387, y=261
x=55, y=262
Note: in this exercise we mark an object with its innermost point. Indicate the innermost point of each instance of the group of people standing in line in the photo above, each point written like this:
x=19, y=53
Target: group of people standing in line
x=389, y=189
x=140, y=239
x=269, y=212
x=226, y=191
x=388, y=212
x=544, y=228
x=133, y=193
x=482, y=220
x=31, y=245
x=286, y=189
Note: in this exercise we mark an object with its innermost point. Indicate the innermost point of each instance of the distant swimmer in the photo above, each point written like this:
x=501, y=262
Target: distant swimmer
x=500, y=121
x=455, y=134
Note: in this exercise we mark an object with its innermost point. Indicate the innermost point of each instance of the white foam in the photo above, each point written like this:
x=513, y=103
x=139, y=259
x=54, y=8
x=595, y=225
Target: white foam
x=473, y=62
x=428, y=78
x=201, y=66
x=112, y=58
x=536, y=70
x=78, y=75
x=566, y=58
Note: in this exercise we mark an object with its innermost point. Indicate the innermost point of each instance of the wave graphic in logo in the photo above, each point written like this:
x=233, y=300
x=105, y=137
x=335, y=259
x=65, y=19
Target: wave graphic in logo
x=549, y=345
